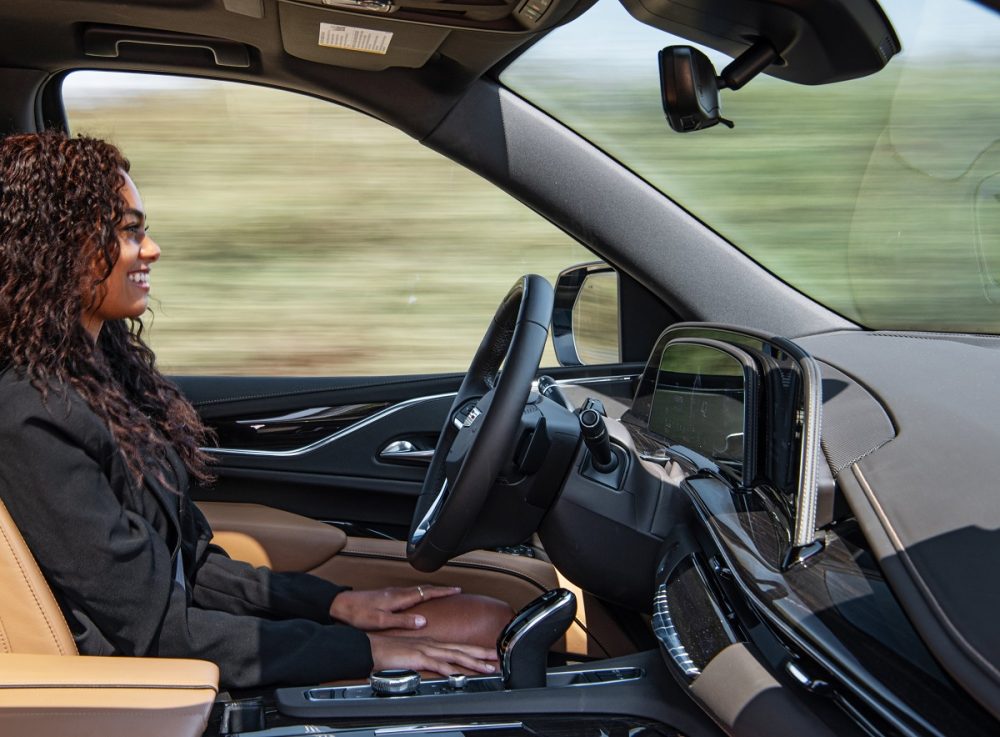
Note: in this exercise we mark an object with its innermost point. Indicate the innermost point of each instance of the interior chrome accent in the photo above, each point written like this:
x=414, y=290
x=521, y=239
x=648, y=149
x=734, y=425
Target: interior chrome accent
x=403, y=451
x=298, y=730
x=311, y=414
x=431, y=516
x=467, y=727
x=804, y=531
x=394, y=682
x=314, y=730
x=330, y=438
x=437, y=688
x=666, y=633
x=376, y=6
x=598, y=379
x=565, y=599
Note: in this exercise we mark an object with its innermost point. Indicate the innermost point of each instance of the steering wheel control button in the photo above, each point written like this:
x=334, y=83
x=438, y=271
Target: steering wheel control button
x=394, y=682
x=458, y=681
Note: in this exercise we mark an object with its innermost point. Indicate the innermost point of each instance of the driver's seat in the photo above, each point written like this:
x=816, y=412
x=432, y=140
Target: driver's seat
x=46, y=688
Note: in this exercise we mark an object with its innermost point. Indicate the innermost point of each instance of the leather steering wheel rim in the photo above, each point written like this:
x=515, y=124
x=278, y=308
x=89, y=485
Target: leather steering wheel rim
x=479, y=431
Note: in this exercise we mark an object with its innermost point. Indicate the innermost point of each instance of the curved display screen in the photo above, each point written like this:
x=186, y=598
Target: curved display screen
x=733, y=399
x=700, y=401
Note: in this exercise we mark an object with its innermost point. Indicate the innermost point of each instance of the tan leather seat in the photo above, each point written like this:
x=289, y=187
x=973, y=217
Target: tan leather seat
x=47, y=689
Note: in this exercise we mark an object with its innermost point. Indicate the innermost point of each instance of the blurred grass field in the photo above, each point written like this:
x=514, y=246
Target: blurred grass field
x=873, y=196
x=302, y=238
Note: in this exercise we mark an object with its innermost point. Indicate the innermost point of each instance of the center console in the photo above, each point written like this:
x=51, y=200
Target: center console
x=562, y=702
x=522, y=649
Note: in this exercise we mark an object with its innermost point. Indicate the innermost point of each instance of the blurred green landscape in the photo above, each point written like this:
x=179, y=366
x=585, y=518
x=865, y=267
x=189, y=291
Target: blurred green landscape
x=303, y=238
x=877, y=197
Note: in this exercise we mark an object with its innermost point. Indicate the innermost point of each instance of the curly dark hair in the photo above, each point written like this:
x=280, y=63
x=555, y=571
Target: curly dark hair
x=60, y=210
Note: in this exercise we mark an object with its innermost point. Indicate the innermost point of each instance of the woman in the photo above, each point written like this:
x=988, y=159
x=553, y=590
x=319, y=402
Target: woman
x=96, y=448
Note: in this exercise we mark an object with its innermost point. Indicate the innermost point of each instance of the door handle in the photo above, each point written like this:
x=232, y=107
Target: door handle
x=403, y=451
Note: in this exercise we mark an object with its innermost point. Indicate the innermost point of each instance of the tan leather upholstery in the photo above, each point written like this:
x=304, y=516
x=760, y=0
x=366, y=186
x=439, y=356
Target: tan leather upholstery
x=241, y=546
x=43, y=695
x=285, y=541
x=30, y=619
x=373, y=563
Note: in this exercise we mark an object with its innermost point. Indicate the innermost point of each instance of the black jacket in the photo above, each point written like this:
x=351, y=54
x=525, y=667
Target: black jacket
x=107, y=549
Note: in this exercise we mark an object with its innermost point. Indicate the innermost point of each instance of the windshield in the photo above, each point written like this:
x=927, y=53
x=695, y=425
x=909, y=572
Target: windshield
x=878, y=197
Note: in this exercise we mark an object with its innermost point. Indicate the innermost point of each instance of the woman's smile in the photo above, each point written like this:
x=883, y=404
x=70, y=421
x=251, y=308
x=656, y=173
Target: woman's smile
x=140, y=279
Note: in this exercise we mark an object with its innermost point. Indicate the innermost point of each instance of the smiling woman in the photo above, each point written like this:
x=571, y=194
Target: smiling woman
x=123, y=292
x=96, y=449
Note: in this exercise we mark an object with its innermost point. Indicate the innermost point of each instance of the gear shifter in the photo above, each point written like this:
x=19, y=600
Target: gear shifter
x=523, y=646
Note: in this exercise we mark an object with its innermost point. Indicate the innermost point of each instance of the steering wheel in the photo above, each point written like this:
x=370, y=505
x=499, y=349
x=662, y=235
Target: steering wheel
x=479, y=431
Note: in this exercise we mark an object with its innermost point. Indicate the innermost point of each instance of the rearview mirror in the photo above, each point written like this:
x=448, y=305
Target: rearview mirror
x=689, y=89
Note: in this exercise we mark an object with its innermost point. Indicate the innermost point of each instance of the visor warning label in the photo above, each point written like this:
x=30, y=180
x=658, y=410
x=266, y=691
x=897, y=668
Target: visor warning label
x=336, y=36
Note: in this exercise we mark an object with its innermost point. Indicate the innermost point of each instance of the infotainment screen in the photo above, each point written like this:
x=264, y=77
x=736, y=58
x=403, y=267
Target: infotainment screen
x=680, y=385
x=700, y=401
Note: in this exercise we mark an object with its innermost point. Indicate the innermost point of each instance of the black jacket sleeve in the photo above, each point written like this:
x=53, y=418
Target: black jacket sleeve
x=219, y=582
x=108, y=562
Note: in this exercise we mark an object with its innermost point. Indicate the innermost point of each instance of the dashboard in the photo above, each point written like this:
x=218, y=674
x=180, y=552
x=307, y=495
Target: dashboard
x=738, y=528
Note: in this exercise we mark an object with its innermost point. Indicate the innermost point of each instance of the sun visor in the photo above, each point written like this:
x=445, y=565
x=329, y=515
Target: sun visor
x=818, y=41
x=378, y=34
x=356, y=41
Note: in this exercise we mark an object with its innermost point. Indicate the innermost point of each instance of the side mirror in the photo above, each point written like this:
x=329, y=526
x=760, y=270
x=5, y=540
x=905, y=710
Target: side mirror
x=585, y=327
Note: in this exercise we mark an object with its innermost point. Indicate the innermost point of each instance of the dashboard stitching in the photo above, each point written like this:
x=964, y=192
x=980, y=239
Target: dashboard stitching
x=843, y=467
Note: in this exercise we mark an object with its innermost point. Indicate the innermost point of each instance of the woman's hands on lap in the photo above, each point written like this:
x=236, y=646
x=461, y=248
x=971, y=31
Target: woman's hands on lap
x=386, y=610
x=383, y=609
x=421, y=654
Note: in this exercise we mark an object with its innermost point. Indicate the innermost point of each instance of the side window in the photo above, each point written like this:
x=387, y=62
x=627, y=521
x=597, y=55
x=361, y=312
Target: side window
x=299, y=237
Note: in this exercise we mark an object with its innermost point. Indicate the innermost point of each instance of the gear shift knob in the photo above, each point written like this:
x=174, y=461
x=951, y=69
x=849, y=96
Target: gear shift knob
x=523, y=646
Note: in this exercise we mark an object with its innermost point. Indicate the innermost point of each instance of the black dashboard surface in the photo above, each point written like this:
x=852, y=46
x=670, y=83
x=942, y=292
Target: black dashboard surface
x=925, y=491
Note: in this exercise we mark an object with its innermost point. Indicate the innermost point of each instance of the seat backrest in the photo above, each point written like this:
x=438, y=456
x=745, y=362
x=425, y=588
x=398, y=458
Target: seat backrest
x=30, y=619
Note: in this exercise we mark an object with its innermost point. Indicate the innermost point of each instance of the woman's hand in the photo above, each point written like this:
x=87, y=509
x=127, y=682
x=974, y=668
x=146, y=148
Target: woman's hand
x=381, y=609
x=428, y=655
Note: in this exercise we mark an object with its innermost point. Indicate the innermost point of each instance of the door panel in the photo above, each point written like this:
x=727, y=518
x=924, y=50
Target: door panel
x=335, y=473
x=329, y=473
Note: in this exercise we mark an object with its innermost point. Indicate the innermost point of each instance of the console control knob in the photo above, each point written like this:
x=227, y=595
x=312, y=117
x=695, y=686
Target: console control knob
x=394, y=682
x=458, y=681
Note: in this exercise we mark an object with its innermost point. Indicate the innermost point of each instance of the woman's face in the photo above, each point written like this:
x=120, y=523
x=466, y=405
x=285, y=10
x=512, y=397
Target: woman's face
x=125, y=293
